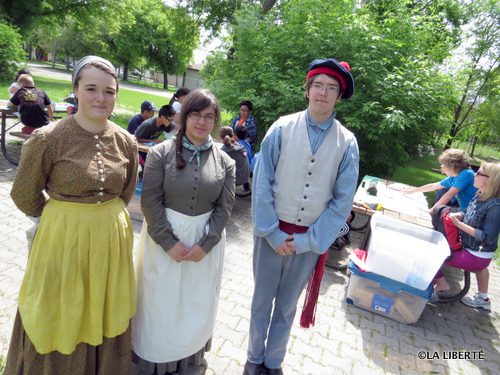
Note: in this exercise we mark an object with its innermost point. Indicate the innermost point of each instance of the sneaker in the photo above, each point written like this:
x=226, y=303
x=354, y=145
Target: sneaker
x=476, y=301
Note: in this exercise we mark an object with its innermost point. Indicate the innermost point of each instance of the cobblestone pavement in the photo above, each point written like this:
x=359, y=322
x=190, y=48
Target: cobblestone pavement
x=345, y=339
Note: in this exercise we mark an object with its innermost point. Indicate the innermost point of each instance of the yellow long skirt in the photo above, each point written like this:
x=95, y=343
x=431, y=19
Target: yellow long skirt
x=79, y=284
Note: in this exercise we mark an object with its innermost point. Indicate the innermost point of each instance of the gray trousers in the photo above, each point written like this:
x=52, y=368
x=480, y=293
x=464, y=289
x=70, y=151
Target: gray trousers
x=279, y=279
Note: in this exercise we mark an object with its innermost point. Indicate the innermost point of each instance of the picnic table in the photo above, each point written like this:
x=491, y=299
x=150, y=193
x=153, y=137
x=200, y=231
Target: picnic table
x=379, y=195
x=10, y=112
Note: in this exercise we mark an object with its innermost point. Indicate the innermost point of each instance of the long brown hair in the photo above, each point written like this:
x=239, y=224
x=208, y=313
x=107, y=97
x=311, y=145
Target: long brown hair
x=196, y=101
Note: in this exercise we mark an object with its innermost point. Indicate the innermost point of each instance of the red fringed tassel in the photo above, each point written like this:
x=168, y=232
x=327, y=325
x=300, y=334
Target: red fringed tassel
x=309, y=309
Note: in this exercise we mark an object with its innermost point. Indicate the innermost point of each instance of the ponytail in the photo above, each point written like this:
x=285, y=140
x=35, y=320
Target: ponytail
x=228, y=141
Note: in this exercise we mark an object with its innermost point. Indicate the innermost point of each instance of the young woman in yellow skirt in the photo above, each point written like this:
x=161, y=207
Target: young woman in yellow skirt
x=78, y=293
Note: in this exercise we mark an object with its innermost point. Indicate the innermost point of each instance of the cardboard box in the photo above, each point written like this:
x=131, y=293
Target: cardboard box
x=386, y=297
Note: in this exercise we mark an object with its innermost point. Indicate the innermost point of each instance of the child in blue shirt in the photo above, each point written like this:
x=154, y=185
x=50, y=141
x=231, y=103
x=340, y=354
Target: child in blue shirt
x=241, y=134
x=459, y=182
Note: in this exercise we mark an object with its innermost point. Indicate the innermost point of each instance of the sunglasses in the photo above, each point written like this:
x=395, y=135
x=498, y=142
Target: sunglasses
x=481, y=174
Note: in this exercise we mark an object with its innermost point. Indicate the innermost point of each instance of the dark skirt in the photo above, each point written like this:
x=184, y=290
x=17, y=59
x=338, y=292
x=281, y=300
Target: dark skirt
x=112, y=357
x=141, y=366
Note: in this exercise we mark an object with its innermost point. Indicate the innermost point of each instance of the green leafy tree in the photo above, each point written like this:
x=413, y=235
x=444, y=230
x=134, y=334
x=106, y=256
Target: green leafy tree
x=214, y=15
x=482, y=67
x=29, y=14
x=401, y=95
x=172, y=38
x=483, y=122
x=126, y=39
x=10, y=51
x=79, y=35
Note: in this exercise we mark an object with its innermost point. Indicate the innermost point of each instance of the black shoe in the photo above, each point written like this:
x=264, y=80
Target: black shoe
x=253, y=369
x=272, y=371
x=242, y=192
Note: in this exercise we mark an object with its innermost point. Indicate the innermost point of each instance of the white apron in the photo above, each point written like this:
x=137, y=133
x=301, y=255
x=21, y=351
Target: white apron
x=176, y=302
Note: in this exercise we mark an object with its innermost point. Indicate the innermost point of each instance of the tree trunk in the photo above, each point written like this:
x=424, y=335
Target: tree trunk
x=474, y=142
x=451, y=134
x=165, y=80
x=29, y=50
x=54, y=58
x=125, y=71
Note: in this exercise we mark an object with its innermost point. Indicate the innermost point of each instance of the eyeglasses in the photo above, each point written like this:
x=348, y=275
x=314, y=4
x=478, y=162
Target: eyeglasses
x=330, y=89
x=210, y=119
x=481, y=174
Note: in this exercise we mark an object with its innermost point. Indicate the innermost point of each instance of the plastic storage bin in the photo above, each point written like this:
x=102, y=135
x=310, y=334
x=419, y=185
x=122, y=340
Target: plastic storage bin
x=405, y=252
x=386, y=297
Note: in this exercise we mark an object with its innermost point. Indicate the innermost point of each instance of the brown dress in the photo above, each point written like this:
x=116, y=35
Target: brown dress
x=70, y=164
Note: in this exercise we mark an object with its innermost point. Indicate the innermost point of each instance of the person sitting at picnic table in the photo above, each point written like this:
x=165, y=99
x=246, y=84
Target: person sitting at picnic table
x=33, y=105
x=479, y=227
x=239, y=154
x=151, y=129
x=78, y=294
x=459, y=182
x=245, y=118
x=15, y=86
x=147, y=111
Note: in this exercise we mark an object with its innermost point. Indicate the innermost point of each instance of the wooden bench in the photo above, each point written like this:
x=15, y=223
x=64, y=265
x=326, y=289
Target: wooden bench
x=20, y=135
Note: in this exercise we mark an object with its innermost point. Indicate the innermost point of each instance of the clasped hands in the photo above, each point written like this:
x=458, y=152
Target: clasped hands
x=179, y=252
x=287, y=247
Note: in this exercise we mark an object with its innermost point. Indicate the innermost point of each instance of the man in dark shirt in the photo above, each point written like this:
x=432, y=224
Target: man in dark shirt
x=151, y=129
x=147, y=111
x=32, y=103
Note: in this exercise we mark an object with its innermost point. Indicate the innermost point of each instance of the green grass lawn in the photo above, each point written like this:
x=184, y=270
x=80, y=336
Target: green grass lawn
x=418, y=172
x=127, y=104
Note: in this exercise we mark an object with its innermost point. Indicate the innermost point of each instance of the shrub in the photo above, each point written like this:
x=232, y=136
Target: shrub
x=10, y=51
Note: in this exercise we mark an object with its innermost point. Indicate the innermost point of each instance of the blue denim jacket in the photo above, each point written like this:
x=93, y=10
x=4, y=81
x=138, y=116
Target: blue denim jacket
x=484, y=216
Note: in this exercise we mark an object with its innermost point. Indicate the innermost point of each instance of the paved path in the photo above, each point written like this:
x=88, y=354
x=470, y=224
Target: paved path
x=345, y=340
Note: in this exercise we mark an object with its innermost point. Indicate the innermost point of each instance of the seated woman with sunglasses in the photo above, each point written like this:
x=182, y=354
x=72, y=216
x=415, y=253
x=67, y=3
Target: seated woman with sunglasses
x=479, y=227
